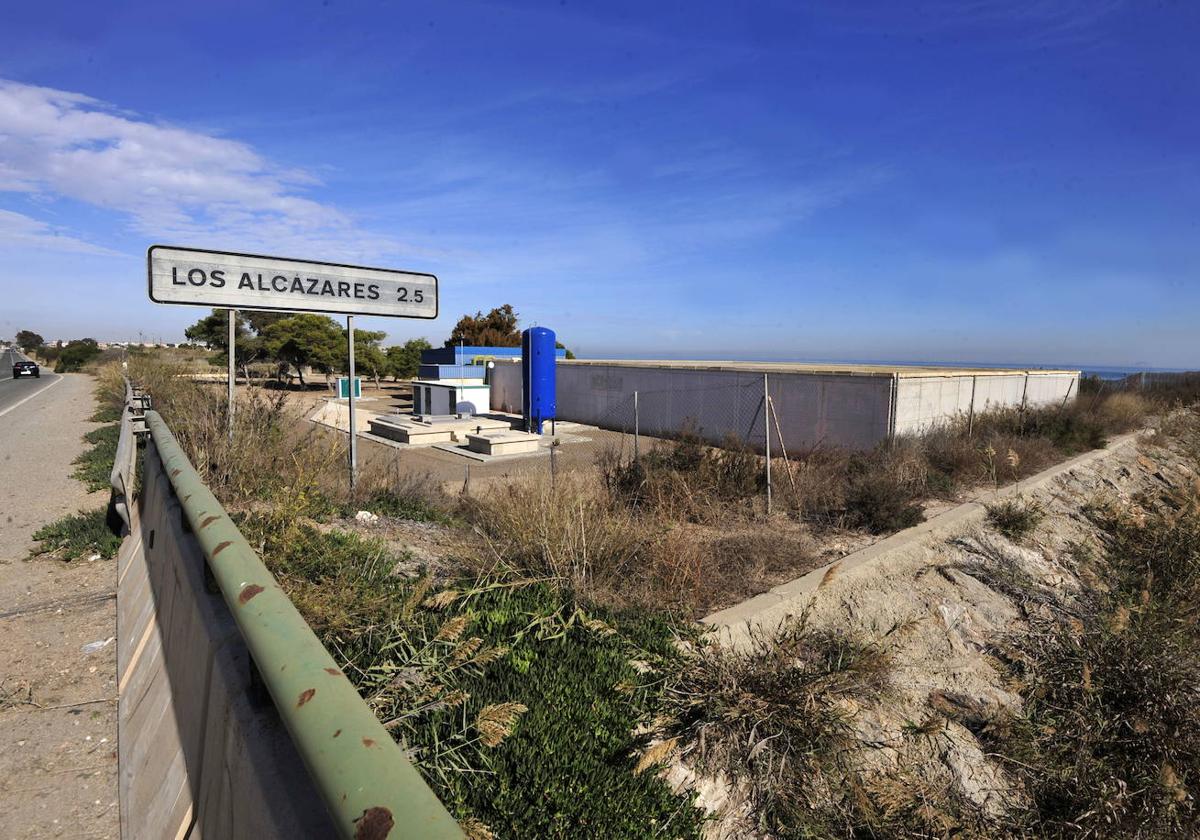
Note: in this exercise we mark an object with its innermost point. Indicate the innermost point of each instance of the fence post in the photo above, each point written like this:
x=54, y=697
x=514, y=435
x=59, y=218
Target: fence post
x=767, y=429
x=971, y=410
x=635, y=426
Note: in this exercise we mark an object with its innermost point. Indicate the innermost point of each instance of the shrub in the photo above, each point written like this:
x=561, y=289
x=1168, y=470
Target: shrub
x=401, y=494
x=1111, y=740
x=1015, y=518
x=76, y=354
x=1121, y=412
x=687, y=478
x=881, y=503
x=774, y=718
x=565, y=530
x=744, y=563
x=953, y=457
x=815, y=490
x=1109, y=745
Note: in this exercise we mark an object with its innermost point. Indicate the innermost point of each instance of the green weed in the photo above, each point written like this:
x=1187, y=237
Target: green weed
x=517, y=703
x=79, y=535
x=94, y=465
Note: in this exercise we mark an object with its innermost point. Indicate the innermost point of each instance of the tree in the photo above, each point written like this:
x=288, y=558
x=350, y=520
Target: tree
x=29, y=341
x=213, y=331
x=299, y=340
x=259, y=321
x=77, y=354
x=368, y=357
x=558, y=345
x=498, y=328
x=405, y=360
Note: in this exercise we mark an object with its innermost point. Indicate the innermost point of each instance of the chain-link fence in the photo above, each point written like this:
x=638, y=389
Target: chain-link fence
x=1155, y=383
x=717, y=437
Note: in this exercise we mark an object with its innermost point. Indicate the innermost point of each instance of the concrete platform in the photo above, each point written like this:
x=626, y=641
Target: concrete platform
x=417, y=431
x=503, y=443
x=410, y=433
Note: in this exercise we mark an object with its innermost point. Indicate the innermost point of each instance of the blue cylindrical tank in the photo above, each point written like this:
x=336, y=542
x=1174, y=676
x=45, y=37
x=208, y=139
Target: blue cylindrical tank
x=537, y=376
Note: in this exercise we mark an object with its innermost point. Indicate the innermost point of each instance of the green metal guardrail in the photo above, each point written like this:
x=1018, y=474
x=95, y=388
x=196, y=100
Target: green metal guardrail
x=369, y=786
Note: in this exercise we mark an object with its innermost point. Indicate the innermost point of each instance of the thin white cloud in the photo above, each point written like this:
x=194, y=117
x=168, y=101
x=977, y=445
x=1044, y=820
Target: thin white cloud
x=170, y=183
x=1040, y=24
x=20, y=231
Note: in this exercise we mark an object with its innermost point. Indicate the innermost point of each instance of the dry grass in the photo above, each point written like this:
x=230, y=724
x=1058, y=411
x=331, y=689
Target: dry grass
x=1124, y=411
x=687, y=479
x=775, y=719
x=573, y=532
x=275, y=456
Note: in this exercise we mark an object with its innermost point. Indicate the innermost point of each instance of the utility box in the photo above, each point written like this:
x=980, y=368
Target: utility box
x=445, y=398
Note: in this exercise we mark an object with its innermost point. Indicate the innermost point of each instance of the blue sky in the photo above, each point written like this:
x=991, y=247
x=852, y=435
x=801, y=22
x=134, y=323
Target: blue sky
x=953, y=180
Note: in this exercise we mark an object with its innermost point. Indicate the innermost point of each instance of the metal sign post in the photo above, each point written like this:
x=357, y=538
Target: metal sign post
x=353, y=430
x=232, y=333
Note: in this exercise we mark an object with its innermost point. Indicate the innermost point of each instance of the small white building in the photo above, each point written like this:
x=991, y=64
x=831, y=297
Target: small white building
x=446, y=397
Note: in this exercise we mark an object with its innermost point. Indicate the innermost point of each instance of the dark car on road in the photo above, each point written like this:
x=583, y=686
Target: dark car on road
x=26, y=369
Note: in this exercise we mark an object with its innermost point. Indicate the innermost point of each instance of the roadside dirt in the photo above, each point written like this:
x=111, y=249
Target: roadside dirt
x=938, y=605
x=58, y=722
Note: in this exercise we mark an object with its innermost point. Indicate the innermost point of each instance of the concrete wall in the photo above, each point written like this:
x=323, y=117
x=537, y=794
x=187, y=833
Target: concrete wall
x=926, y=401
x=814, y=408
x=505, y=381
x=199, y=755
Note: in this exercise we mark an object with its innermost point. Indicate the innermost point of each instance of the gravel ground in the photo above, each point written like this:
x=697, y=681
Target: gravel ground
x=58, y=721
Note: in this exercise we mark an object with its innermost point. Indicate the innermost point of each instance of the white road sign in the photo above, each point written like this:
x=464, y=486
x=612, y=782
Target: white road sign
x=250, y=281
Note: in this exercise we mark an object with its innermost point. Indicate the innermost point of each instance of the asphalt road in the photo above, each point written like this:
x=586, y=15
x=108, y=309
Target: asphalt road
x=15, y=391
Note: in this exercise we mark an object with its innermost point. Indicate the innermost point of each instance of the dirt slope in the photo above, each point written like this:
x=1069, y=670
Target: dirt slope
x=939, y=603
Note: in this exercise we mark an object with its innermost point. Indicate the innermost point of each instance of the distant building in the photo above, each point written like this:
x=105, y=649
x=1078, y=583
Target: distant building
x=466, y=361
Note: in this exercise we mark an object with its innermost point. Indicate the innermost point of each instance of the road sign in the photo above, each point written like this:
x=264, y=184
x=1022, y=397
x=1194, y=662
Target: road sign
x=251, y=281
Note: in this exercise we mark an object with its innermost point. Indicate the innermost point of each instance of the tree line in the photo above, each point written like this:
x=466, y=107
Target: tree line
x=318, y=342
x=299, y=341
x=67, y=358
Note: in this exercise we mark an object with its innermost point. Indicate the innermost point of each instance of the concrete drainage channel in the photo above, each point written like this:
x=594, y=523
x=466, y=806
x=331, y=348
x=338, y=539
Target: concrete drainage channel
x=234, y=721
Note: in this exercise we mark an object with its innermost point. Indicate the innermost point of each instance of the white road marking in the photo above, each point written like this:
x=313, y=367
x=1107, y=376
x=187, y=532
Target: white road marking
x=31, y=396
